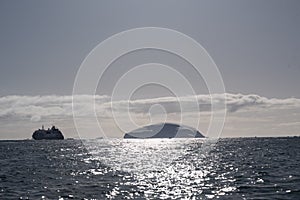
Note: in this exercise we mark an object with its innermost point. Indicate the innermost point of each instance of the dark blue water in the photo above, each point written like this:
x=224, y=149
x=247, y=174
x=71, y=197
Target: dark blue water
x=249, y=168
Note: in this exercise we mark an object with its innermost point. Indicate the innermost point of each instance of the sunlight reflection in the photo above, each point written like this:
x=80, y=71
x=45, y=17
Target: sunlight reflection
x=159, y=168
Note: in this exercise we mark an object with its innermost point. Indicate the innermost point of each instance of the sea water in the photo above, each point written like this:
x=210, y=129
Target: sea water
x=239, y=168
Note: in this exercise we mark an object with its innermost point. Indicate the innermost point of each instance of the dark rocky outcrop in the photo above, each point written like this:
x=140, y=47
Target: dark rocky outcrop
x=164, y=130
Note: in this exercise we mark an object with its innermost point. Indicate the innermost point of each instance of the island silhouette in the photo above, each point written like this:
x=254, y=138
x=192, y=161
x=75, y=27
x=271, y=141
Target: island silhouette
x=164, y=130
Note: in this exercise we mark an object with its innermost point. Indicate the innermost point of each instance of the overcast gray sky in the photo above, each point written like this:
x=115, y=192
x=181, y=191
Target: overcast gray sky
x=255, y=44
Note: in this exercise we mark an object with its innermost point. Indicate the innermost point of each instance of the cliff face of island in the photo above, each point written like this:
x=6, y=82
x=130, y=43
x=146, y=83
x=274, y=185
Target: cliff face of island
x=50, y=134
x=164, y=130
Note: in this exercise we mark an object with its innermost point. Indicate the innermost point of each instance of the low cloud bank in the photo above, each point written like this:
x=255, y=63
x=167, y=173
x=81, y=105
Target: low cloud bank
x=36, y=108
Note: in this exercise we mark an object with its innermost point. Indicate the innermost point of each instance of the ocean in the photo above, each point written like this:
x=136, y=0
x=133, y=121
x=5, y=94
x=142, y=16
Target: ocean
x=237, y=168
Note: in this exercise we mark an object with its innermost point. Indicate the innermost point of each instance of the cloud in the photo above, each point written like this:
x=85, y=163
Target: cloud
x=35, y=118
x=247, y=115
x=234, y=103
x=35, y=108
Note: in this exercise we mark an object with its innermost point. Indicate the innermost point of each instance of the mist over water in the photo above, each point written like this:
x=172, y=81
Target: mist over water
x=250, y=168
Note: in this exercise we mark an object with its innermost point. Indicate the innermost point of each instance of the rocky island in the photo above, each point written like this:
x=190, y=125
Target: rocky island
x=164, y=130
x=49, y=134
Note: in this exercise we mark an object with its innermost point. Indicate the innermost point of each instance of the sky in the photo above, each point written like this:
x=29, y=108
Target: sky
x=255, y=44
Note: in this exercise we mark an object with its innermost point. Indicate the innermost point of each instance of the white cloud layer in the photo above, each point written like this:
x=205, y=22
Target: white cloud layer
x=247, y=115
x=36, y=108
